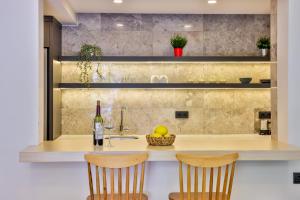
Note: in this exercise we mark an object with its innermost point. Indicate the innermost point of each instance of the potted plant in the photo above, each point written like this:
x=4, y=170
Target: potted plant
x=263, y=44
x=87, y=52
x=178, y=42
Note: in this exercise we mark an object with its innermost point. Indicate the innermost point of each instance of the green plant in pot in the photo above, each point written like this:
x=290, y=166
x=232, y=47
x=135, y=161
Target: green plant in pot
x=178, y=42
x=263, y=44
x=86, y=54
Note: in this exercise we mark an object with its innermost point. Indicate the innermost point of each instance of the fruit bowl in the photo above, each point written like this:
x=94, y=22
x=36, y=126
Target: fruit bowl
x=246, y=80
x=160, y=141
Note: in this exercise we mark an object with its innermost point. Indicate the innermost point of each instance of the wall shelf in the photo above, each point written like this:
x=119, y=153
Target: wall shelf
x=164, y=85
x=172, y=59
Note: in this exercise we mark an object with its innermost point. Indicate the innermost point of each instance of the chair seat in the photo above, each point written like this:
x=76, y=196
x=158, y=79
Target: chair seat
x=176, y=196
x=116, y=197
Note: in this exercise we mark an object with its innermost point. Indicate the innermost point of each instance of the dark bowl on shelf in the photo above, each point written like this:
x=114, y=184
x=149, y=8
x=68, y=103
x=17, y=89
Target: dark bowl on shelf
x=245, y=80
x=265, y=81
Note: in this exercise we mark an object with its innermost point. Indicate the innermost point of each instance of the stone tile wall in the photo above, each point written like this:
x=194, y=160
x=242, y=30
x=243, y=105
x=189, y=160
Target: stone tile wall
x=176, y=72
x=212, y=111
x=224, y=111
x=149, y=34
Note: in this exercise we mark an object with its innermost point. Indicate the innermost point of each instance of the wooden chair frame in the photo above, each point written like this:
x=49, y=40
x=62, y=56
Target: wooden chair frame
x=204, y=162
x=112, y=163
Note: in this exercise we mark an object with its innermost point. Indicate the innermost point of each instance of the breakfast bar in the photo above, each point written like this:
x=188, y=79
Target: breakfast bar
x=252, y=148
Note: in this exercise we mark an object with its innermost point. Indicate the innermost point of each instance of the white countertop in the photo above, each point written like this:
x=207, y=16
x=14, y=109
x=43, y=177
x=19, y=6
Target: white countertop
x=71, y=148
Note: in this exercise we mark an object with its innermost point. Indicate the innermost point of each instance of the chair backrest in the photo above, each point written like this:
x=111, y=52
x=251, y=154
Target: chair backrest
x=116, y=163
x=204, y=162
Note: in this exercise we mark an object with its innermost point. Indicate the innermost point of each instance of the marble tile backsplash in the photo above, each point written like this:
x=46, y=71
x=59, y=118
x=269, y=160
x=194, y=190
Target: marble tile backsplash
x=176, y=73
x=212, y=111
x=149, y=34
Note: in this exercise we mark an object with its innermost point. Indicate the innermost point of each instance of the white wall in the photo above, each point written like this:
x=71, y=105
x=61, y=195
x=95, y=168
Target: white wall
x=294, y=72
x=19, y=109
x=293, y=85
x=282, y=66
x=19, y=102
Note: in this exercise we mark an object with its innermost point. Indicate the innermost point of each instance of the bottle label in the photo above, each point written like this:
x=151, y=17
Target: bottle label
x=98, y=131
x=264, y=125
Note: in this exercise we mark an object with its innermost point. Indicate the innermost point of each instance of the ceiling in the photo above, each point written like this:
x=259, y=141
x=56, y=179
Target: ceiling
x=65, y=10
x=171, y=6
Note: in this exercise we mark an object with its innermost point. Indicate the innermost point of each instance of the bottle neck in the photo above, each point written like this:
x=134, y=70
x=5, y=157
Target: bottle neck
x=98, y=110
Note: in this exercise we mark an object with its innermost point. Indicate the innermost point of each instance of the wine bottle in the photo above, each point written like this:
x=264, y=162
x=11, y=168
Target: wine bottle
x=98, y=126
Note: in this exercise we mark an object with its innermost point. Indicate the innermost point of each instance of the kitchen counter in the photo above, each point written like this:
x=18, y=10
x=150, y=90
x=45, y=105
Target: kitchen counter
x=71, y=148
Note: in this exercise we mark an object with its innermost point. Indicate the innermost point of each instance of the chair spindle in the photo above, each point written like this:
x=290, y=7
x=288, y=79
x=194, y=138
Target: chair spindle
x=196, y=184
x=135, y=181
x=112, y=184
x=181, y=180
x=204, y=183
x=189, y=182
x=120, y=184
x=218, y=183
x=104, y=183
x=90, y=181
x=127, y=182
x=97, y=183
x=211, y=183
x=142, y=181
x=225, y=183
x=231, y=180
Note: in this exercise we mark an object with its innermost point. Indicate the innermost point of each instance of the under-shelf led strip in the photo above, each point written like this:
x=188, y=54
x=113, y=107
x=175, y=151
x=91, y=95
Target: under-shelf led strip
x=212, y=1
x=118, y=1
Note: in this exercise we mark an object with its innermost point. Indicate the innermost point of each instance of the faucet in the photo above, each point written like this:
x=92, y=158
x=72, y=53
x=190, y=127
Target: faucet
x=122, y=129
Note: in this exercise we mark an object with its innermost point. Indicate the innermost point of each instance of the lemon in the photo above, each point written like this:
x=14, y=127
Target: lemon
x=161, y=130
x=155, y=135
x=167, y=135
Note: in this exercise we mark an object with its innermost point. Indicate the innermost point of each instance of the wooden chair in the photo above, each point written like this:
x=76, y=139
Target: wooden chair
x=117, y=163
x=204, y=162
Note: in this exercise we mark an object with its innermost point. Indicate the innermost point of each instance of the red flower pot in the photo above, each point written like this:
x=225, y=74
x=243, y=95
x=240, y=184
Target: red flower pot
x=177, y=52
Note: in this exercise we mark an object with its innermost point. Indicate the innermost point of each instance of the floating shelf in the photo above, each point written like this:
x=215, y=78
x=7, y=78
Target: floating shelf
x=172, y=59
x=164, y=85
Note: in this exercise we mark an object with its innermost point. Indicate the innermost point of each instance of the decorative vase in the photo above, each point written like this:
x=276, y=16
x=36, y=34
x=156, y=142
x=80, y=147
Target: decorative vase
x=264, y=52
x=155, y=79
x=177, y=52
x=163, y=79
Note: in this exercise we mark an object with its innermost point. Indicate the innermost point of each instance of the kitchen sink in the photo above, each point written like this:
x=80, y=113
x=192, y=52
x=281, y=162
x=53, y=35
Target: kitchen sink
x=122, y=138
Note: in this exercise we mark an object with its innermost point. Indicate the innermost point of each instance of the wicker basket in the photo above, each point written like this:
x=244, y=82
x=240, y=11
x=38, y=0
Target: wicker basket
x=161, y=141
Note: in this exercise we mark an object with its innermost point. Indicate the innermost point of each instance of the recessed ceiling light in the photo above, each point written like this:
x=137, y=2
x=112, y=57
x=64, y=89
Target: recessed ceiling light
x=119, y=25
x=212, y=1
x=188, y=26
x=118, y=1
